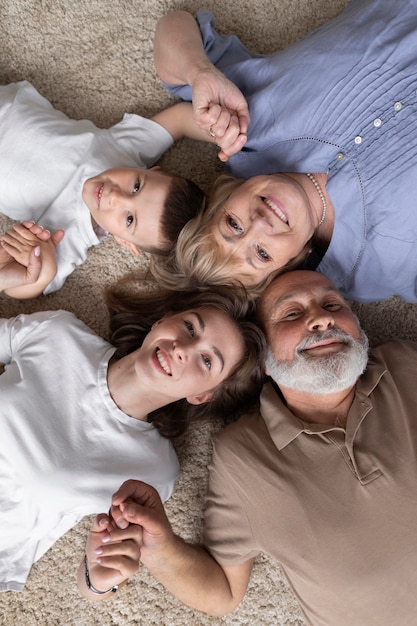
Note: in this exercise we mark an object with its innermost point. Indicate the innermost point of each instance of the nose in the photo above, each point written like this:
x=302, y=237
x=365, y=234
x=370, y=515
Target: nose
x=119, y=198
x=259, y=220
x=320, y=319
x=180, y=350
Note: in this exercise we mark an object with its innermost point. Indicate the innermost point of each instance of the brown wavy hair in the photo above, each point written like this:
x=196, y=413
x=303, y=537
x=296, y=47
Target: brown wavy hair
x=197, y=262
x=132, y=315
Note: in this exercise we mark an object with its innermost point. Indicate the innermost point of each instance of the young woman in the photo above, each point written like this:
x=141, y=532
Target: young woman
x=79, y=415
x=335, y=116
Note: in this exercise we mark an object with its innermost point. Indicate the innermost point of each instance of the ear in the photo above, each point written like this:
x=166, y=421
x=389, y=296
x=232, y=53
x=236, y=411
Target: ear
x=200, y=399
x=267, y=372
x=155, y=167
x=127, y=244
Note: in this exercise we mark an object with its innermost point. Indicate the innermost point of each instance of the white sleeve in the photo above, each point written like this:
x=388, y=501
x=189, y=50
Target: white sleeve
x=13, y=331
x=142, y=138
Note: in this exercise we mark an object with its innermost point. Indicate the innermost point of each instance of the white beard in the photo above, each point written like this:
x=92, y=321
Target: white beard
x=321, y=375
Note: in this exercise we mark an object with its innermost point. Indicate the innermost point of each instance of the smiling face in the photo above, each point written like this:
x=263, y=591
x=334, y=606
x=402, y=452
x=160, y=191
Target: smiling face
x=129, y=203
x=187, y=355
x=264, y=223
x=300, y=304
x=316, y=343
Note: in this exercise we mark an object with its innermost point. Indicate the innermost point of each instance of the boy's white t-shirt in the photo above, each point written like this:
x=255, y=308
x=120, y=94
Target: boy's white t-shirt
x=45, y=158
x=65, y=447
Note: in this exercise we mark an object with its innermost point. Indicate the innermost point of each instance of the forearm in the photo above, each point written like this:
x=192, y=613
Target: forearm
x=178, y=49
x=194, y=577
x=178, y=120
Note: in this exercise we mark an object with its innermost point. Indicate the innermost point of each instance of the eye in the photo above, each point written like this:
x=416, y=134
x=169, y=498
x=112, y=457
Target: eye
x=136, y=186
x=129, y=220
x=289, y=315
x=333, y=306
x=233, y=224
x=206, y=361
x=190, y=328
x=262, y=254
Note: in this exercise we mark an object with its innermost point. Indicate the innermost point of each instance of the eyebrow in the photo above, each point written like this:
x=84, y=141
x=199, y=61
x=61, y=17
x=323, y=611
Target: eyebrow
x=215, y=350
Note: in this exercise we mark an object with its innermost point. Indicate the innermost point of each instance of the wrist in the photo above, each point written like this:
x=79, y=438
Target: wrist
x=197, y=69
x=89, y=584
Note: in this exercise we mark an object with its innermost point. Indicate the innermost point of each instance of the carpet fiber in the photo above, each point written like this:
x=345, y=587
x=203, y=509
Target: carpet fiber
x=93, y=59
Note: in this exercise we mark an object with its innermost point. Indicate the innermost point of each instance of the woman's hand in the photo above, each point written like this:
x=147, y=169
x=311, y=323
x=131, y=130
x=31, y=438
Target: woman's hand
x=13, y=274
x=221, y=110
x=28, y=259
x=113, y=555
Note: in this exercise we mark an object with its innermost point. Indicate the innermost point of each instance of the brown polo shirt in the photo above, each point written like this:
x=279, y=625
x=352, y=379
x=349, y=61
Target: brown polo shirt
x=337, y=508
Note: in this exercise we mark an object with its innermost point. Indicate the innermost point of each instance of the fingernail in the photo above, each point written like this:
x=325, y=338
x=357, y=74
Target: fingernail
x=106, y=539
x=122, y=523
x=130, y=510
x=37, y=251
x=98, y=551
x=102, y=522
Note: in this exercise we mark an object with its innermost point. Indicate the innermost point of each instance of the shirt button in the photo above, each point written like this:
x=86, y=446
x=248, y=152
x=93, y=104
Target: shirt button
x=358, y=140
x=339, y=156
x=377, y=122
x=398, y=106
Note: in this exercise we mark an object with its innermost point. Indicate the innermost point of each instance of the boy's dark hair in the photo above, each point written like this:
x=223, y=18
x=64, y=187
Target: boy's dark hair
x=184, y=201
x=132, y=314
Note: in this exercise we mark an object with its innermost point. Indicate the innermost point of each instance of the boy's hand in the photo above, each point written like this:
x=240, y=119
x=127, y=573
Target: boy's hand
x=113, y=554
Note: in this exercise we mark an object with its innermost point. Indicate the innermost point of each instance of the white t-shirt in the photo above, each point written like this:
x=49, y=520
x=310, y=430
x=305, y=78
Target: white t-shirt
x=65, y=446
x=45, y=158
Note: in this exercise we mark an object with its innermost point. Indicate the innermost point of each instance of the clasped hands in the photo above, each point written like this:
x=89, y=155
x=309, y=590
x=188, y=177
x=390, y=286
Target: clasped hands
x=26, y=250
x=134, y=527
x=221, y=110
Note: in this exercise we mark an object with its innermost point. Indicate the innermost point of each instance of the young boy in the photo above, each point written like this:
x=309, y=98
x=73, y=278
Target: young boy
x=60, y=172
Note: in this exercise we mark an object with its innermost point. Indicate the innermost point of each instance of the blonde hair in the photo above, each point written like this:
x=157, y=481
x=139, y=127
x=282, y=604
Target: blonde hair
x=197, y=261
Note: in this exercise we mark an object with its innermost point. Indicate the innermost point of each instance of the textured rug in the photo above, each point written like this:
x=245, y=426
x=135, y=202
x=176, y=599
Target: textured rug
x=93, y=59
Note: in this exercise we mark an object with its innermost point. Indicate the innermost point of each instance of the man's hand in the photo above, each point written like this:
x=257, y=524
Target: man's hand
x=138, y=503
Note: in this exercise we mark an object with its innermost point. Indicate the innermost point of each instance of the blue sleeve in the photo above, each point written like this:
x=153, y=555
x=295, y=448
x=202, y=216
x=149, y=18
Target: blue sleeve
x=222, y=50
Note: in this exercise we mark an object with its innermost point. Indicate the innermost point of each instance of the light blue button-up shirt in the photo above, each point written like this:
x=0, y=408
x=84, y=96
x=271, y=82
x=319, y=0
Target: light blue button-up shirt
x=342, y=100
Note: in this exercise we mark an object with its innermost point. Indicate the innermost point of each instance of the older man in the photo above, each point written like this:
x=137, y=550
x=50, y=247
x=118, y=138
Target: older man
x=324, y=479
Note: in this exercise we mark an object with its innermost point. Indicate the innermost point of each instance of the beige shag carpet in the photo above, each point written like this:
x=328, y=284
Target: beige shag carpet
x=93, y=59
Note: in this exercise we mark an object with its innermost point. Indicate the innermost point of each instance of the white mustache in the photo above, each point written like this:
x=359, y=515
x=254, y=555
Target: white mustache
x=317, y=336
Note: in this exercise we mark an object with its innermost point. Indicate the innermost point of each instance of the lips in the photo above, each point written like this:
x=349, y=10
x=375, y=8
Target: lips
x=325, y=346
x=98, y=193
x=163, y=362
x=277, y=208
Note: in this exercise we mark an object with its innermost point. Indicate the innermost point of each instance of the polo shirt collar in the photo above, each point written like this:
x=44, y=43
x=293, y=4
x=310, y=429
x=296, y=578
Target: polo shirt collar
x=284, y=426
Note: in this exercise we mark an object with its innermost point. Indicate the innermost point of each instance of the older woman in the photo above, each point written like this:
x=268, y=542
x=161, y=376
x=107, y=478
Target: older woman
x=335, y=114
